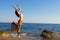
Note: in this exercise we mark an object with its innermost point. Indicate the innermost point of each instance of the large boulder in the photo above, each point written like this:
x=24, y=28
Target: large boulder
x=5, y=34
x=50, y=35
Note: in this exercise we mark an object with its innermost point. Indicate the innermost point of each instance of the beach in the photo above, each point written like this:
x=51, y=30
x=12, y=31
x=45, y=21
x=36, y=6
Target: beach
x=27, y=36
x=23, y=36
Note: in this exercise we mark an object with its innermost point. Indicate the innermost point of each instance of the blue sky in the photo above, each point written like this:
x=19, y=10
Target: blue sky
x=34, y=11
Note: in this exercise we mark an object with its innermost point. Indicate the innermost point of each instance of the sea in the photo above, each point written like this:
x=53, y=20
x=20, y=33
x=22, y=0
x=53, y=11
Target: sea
x=32, y=27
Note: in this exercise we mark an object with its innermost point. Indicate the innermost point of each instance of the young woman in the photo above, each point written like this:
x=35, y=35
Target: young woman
x=20, y=21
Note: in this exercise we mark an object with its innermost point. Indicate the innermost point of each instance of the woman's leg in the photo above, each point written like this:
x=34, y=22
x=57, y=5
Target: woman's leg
x=19, y=27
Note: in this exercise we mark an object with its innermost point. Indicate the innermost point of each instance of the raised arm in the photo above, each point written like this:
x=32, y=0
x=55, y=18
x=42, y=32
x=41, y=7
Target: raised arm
x=14, y=7
x=17, y=11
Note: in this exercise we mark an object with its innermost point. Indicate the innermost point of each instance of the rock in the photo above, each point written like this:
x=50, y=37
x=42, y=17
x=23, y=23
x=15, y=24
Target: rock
x=5, y=34
x=13, y=26
x=50, y=35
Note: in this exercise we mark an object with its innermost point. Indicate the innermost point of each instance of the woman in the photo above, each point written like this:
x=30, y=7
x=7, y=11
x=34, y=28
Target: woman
x=20, y=21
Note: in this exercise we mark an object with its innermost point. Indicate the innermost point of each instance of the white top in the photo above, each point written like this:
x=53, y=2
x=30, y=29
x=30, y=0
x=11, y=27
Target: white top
x=21, y=16
x=19, y=12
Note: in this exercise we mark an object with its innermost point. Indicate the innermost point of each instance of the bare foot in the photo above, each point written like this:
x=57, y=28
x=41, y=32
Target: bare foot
x=18, y=37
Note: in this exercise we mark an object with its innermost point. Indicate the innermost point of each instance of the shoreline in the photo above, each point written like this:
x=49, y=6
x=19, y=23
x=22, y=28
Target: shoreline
x=45, y=35
x=23, y=36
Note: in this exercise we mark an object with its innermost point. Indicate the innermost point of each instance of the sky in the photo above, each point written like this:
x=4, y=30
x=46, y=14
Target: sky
x=34, y=11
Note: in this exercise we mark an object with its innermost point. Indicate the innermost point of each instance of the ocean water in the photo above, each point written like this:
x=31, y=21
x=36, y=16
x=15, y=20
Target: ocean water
x=32, y=27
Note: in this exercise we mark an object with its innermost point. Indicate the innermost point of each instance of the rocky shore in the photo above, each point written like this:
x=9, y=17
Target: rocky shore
x=45, y=35
x=49, y=35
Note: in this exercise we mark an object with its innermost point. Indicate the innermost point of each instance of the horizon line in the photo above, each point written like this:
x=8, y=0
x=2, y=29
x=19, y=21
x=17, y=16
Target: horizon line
x=32, y=22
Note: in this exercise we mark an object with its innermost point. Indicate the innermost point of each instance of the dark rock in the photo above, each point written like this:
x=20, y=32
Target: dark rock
x=13, y=26
x=50, y=35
